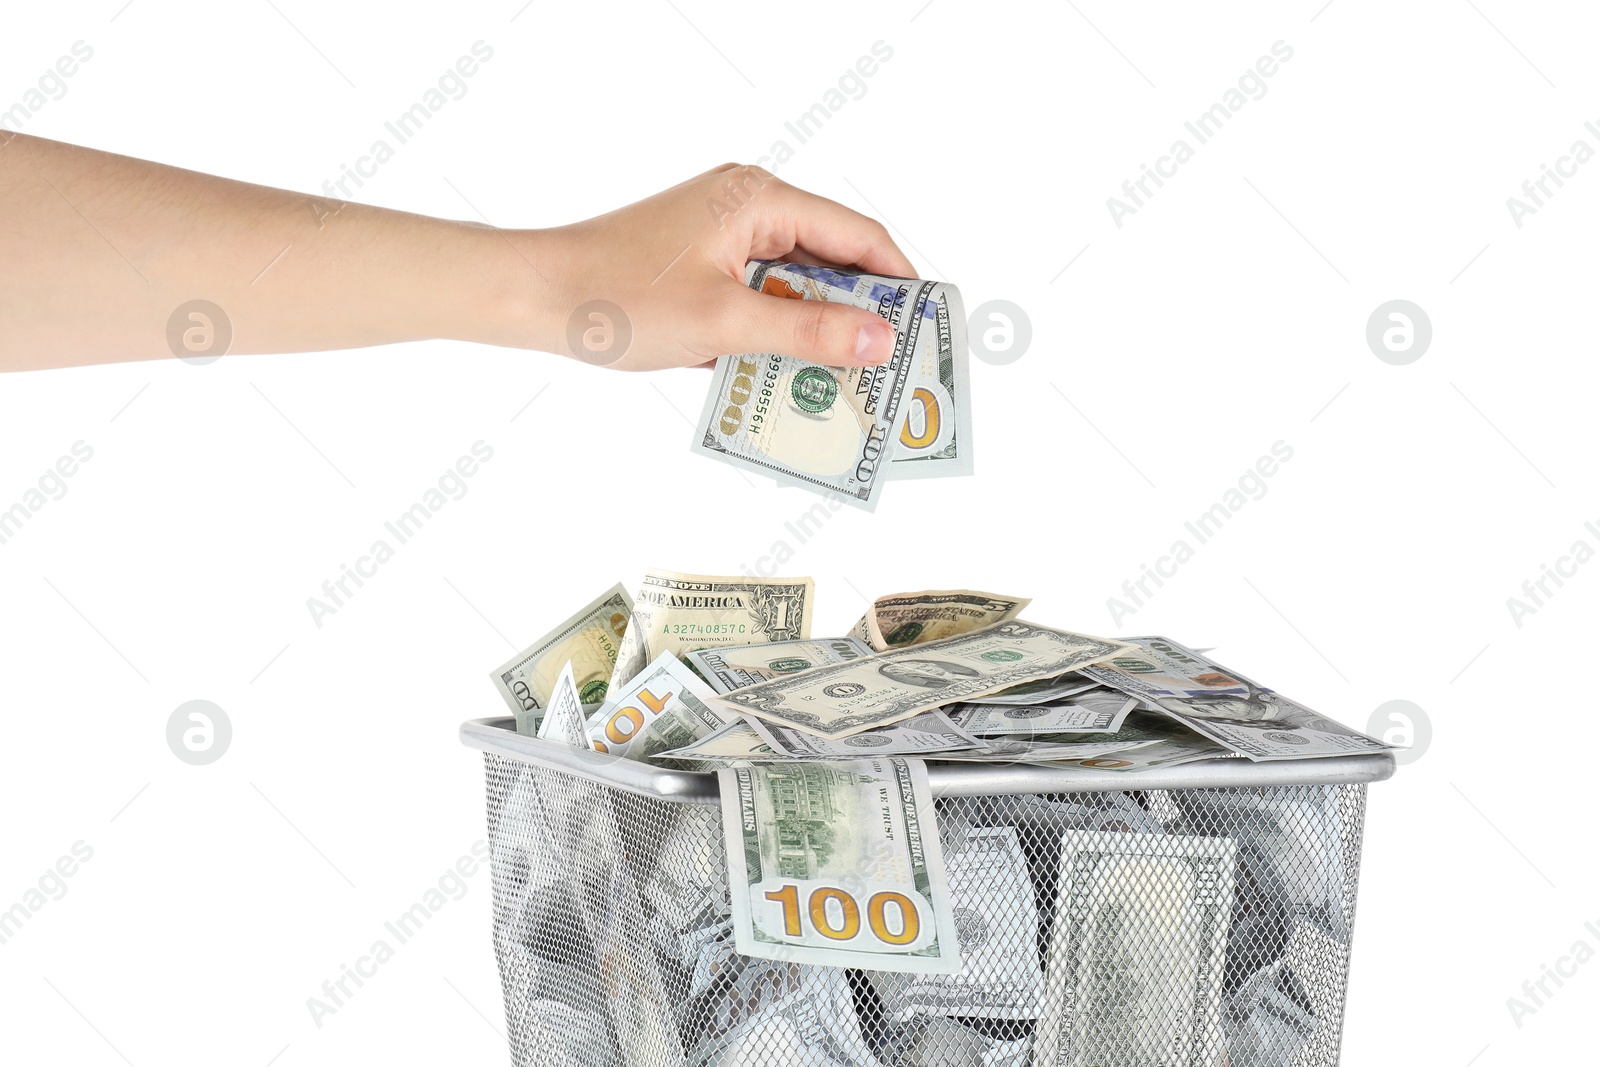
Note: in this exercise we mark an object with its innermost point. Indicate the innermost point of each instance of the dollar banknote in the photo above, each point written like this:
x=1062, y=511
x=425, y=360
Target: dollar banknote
x=1226, y=706
x=838, y=864
x=935, y=439
x=1269, y=1019
x=921, y=735
x=931, y=615
x=1042, y=820
x=686, y=886
x=935, y=1041
x=1151, y=739
x=1095, y=711
x=1134, y=970
x=997, y=921
x=568, y=1036
x=589, y=641
x=837, y=430
x=1043, y=690
x=736, y=742
x=775, y=1012
x=602, y=917
x=1045, y=748
x=1163, y=667
x=564, y=719
x=733, y=667
x=679, y=613
x=633, y=653
x=1292, y=842
x=879, y=690
x=664, y=707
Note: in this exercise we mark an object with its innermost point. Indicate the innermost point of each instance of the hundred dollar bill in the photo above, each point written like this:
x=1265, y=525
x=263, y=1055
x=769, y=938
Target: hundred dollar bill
x=633, y=654
x=1135, y=965
x=733, y=667
x=835, y=430
x=588, y=641
x=931, y=615
x=678, y=613
x=564, y=719
x=1098, y=711
x=1226, y=706
x=838, y=864
x=997, y=919
x=664, y=707
x=879, y=690
x=921, y=735
x=935, y=440
x=1163, y=667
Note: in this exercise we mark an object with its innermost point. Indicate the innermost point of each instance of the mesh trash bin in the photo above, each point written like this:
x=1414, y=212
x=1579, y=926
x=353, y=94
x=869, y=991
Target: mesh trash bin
x=612, y=936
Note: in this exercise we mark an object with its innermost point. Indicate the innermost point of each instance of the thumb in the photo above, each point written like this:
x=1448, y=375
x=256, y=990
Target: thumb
x=817, y=331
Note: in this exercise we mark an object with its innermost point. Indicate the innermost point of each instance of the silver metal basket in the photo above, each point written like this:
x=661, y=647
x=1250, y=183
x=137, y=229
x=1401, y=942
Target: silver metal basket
x=611, y=907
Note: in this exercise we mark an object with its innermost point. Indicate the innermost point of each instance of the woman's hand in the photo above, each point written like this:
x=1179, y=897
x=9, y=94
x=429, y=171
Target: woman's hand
x=670, y=271
x=104, y=258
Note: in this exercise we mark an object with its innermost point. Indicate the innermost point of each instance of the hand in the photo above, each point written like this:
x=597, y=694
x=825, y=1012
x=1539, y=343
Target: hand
x=284, y=272
x=674, y=264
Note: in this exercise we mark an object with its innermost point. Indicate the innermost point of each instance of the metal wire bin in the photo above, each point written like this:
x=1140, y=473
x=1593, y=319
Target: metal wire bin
x=612, y=936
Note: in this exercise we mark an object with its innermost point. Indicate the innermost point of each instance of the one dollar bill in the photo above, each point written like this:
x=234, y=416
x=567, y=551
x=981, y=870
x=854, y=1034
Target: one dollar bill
x=679, y=612
x=847, y=698
x=839, y=865
x=836, y=430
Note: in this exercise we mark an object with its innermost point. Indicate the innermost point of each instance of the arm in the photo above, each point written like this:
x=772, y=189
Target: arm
x=98, y=252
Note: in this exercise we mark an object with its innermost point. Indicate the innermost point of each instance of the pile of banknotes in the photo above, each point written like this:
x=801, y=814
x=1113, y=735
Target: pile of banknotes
x=842, y=432
x=1071, y=928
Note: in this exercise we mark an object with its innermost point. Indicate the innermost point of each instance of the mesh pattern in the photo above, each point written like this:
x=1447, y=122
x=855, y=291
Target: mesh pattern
x=611, y=927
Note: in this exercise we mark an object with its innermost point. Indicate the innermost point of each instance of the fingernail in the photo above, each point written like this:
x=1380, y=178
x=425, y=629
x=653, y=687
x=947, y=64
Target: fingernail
x=873, y=343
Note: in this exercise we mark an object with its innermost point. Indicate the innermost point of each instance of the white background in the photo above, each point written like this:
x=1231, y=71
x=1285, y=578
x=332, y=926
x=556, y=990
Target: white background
x=1227, y=314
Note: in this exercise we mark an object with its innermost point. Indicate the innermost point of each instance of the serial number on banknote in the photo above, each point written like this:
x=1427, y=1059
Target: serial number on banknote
x=692, y=628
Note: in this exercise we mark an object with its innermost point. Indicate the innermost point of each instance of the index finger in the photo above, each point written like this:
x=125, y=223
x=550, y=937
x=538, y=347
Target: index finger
x=830, y=231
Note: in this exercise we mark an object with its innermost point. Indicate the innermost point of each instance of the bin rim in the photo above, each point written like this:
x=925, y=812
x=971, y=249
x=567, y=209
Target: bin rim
x=498, y=736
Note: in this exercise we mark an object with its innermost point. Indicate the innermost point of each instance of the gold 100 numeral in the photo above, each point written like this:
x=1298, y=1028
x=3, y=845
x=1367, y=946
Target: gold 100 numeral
x=930, y=420
x=849, y=924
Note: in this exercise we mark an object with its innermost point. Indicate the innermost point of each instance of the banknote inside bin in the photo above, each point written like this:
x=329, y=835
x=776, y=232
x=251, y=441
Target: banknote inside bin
x=839, y=914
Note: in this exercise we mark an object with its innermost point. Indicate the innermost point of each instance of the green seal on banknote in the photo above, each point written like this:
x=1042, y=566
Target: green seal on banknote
x=814, y=390
x=594, y=692
x=1002, y=655
x=904, y=634
x=789, y=665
